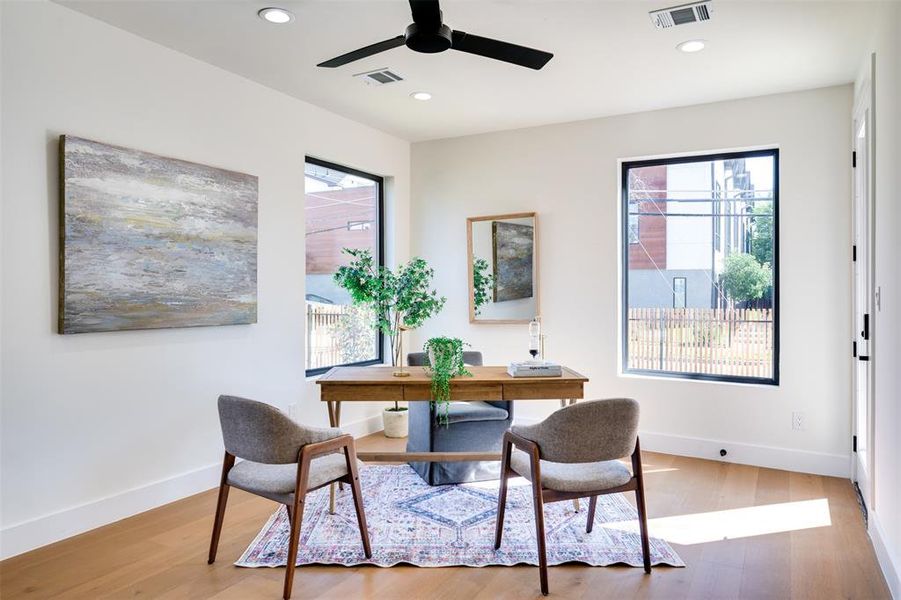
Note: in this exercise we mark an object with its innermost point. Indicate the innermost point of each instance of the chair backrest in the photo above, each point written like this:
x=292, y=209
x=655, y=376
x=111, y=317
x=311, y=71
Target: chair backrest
x=259, y=432
x=421, y=359
x=589, y=431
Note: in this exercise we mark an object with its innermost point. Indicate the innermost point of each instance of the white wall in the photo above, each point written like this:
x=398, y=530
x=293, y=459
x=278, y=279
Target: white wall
x=99, y=426
x=885, y=514
x=568, y=174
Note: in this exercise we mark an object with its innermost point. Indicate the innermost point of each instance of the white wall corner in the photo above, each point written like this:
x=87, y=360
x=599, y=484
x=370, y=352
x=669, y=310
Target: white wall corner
x=890, y=565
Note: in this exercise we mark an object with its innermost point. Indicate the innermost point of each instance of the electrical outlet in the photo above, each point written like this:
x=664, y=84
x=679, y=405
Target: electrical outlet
x=293, y=410
x=799, y=423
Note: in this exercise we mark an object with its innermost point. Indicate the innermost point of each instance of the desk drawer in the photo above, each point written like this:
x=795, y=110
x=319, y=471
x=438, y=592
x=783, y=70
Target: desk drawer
x=362, y=393
x=478, y=391
x=540, y=391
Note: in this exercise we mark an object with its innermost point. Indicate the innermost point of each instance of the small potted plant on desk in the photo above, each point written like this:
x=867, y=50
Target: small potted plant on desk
x=400, y=301
x=445, y=363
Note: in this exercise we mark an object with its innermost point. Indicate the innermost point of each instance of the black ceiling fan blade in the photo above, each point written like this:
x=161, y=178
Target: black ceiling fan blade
x=505, y=51
x=426, y=13
x=363, y=52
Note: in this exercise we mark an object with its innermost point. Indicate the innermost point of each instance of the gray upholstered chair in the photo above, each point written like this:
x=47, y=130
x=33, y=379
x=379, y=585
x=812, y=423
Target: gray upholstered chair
x=471, y=427
x=282, y=461
x=572, y=454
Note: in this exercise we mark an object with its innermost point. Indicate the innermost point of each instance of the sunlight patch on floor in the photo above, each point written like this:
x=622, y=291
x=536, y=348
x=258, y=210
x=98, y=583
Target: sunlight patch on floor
x=660, y=470
x=714, y=526
x=492, y=484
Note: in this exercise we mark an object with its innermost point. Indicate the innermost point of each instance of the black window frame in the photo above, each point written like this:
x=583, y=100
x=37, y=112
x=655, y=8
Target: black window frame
x=625, y=167
x=380, y=261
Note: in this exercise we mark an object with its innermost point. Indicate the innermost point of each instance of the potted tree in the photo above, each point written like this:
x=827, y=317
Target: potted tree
x=400, y=300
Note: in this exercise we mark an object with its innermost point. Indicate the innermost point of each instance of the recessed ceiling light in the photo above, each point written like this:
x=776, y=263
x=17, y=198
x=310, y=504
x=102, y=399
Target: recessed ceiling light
x=276, y=15
x=692, y=46
x=421, y=96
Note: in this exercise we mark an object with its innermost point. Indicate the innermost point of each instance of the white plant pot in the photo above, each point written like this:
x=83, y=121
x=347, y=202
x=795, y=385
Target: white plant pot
x=395, y=422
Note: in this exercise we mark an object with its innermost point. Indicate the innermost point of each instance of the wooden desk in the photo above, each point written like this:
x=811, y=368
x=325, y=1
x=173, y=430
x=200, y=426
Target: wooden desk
x=377, y=384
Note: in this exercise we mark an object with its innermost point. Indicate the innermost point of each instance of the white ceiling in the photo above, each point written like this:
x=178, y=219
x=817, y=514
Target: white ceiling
x=609, y=59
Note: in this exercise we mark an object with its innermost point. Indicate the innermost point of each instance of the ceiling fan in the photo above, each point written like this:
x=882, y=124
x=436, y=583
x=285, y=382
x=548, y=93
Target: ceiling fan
x=427, y=33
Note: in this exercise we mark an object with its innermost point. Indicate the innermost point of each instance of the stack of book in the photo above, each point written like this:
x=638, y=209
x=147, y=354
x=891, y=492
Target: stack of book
x=535, y=368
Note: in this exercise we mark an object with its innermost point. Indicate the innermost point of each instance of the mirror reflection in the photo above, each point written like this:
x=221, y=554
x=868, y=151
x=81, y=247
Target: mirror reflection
x=503, y=268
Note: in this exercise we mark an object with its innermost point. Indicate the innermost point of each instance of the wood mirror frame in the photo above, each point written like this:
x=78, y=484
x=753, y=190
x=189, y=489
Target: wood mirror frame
x=469, y=270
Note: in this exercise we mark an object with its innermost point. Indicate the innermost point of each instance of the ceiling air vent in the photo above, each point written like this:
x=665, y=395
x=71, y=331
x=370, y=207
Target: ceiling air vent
x=379, y=77
x=695, y=12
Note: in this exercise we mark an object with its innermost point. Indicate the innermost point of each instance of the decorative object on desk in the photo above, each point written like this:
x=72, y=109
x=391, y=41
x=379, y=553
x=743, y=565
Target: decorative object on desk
x=502, y=255
x=535, y=338
x=535, y=368
x=402, y=299
x=482, y=283
x=445, y=363
x=400, y=371
x=149, y=242
x=406, y=516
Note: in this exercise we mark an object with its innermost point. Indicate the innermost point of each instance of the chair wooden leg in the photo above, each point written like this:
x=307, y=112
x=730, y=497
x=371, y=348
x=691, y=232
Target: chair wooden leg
x=640, y=504
x=290, y=510
x=538, y=503
x=502, y=494
x=300, y=493
x=350, y=456
x=592, y=505
x=227, y=463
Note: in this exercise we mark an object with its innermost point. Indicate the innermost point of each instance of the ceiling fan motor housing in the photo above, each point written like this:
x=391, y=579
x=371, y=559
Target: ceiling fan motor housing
x=427, y=39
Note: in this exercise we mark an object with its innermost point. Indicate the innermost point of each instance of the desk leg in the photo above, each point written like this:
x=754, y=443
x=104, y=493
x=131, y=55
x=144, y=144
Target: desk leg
x=334, y=419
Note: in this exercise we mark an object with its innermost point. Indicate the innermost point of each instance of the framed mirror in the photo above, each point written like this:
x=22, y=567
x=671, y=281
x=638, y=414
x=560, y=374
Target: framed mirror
x=503, y=268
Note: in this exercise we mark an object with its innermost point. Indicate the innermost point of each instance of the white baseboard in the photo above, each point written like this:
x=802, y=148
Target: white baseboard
x=365, y=426
x=34, y=533
x=891, y=565
x=787, y=459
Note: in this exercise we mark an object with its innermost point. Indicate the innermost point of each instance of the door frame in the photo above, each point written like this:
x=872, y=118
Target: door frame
x=863, y=105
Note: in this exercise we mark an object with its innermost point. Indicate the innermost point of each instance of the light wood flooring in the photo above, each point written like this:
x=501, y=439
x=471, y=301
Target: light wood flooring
x=162, y=553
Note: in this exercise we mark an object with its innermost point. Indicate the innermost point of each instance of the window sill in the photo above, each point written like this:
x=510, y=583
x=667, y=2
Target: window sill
x=312, y=378
x=676, y=379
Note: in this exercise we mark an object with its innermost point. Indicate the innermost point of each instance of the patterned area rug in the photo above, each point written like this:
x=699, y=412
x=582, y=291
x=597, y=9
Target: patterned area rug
x=414, y=523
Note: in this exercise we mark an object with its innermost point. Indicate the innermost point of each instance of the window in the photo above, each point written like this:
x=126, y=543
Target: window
x=634, y=231
x=343, y=209
x=709, y=225
x=678, y=292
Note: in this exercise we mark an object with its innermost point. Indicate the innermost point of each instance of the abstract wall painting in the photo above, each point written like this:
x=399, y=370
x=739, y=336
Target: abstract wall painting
x=513, y=247
x=149, y=242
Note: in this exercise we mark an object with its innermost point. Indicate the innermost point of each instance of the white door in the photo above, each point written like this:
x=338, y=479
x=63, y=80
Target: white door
x=863, y=314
